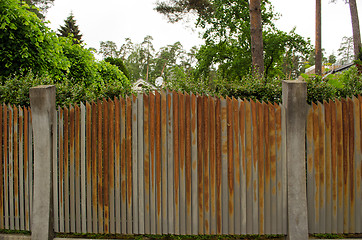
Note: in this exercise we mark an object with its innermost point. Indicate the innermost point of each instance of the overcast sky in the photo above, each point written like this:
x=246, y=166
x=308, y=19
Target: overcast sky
x=114, y=20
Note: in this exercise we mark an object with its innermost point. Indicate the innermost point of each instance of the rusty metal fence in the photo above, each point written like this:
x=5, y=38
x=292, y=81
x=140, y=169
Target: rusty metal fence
x=334, y=166
x=172, y=163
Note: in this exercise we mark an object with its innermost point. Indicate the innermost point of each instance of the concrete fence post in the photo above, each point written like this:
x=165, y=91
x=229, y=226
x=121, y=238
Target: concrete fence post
x=294, y=101
x=42, y=103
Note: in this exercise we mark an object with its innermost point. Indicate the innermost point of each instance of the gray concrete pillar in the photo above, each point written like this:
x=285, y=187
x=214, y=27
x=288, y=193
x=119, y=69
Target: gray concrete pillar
x=295, y=103
x=42, y=103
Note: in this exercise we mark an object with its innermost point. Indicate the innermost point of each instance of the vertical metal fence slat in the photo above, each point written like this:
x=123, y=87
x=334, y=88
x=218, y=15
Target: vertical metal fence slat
x=242, y=130
x=146, y=165
x=279, y=168
x=212, y=157
x=55, y=173
x=255, y=182
x=284, y=171
x=230, y=167
x=31, y=162
x=170, y=163
x=339, y=126
x=141, y=187
x=158, y=185
x=224, y=167
x=176, y=162
x=105, y=164
x=152, y=130
x=129, y=164
x=164, y=161
x=237, y=170
x=182, y=192
x=135, y=165
x=248, y=162
x=310, y=169
x=72, y=192
x=100, y=167
x=200, y=184
x=21, y=169
x=123, y=168
x=322, y=175
x=6, y=164
x=218, y=165
x=83, y=167
x=188, y=163
x=346, y=205
x=334, y=167
x=328, y=167
x=260, y=167
x=117, y=168
x=267, y=171
x=61, y=169
x=206, y=165
x=66, y=172
x=26, y=167
x=351, y=167
x=78, y=205
x=194, y=133
x=316, y=140
x=111, y=167
x=11, y=169
x=16, y=168
x=94, y=127
x=273, y=170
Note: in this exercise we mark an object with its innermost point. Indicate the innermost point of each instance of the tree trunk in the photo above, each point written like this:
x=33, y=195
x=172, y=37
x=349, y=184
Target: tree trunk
x=318, y=39
x=256, y=32
x=355, y=27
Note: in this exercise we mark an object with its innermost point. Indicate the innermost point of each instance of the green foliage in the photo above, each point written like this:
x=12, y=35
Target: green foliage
x=70, y=29
x=25, y=42
x=119, y=63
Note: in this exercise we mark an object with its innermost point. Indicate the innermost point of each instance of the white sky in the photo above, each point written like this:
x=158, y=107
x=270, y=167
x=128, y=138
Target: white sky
x=114, y=20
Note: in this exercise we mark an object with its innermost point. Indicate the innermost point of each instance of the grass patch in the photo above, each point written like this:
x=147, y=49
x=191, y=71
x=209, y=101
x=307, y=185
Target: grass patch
x=6, y=231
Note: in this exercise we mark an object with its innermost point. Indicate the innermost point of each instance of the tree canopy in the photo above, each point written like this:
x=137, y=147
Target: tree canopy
x=71, y=29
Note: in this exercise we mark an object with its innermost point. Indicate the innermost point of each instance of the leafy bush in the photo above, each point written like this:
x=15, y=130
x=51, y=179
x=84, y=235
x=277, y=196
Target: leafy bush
x=119, y=63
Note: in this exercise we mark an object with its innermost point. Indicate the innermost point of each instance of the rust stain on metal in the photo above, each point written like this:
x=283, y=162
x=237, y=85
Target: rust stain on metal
x=327, y=123
x=273, y=165
x=105, y=163
x=339, y=143
x=267, y=138
x=212, y=151
x=112, y=144
x=129, y=150
x=242, y=135
x=218, y=165
x=188, y=126
x=261, y=163
x=321, y=155
x=16, y=162
x=248, y=143
x=193, y=120
x=146, y=155
x=5, y=142
x=152, y=139
x=316, y=117
x=200, y=127
x=236, y=130
x=100, y=164
x=333, y=156
x=176, y=148
x=309, y=133
x=205, y=140
x=254, y=135
x=158, y=155
x=230, y=155
x=351, y=162
x=345, y=159
x=94, y=161
x=182, y=133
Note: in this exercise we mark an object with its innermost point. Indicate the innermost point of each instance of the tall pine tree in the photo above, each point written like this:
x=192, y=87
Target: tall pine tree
x=70, y=28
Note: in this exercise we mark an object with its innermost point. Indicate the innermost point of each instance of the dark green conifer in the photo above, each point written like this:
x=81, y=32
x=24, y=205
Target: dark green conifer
x=70, y=28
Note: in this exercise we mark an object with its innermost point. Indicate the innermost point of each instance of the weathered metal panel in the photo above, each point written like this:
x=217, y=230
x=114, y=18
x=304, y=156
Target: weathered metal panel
x=31, y=163
x=255, y=182
x=334, y=180
x=146, y=154
x=61, y=170
x=273, y=170
x=158, y=169
x=206, y=167
x=170, y=163
x=328, y=167
x=71, y=169
x=248, y=161
x=6, y=165
x=129, y=164
x=164, y=162
x=100, y=166
x=11, y=168
x=83, y=172
x=78, y=206
x=134, y=160
x=242, y=130
x=117, y=169
x=182, y=175
x=218, y=166
x=55, y=170
x=89, y=126
x=346, y=204
x=310, y=169
x=284, y=171
x=66, y=171
x=111, y=167
x=141, y=188
x=358, y=159
x=267, y=170
x=152, y=164
x=339, y=124
x=224, y=166
x=94, y=125
x=188, y=160
x=123, y=168
x=351, y=168
x=230, y=165
x=1, y=171
x=260, y=167
x=194, y=165
x=16, y=167
x=26, y=166
x=200, y=185
x=212, y=159
x=21, y=172
x=105, y=165
x=176, y=162
x=279, y=168
x=237, y=164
